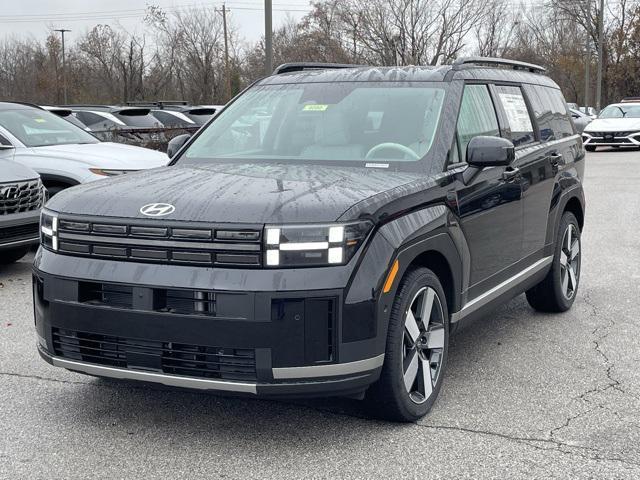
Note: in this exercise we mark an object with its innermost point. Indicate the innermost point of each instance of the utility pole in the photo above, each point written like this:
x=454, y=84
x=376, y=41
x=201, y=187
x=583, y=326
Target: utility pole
x=268, y=37
x=600, y=56
x=64, y=65
x=587, y=63
x=227, y=73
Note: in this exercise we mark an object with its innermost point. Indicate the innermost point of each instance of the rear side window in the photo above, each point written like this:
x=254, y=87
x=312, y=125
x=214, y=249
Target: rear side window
x=477, y=117
x=515, y=107
x=95, y=121
x=550, y=111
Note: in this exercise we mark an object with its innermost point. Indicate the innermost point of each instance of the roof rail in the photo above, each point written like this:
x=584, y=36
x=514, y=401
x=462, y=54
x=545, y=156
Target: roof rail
x=515, y=64
x=159, y=103
x=301, y=66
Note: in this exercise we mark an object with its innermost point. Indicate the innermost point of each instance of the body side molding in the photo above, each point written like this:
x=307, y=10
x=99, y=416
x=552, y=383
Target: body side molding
x=490, y=295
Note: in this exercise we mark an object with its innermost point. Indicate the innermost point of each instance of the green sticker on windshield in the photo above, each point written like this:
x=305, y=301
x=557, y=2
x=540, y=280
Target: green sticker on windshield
x=315, y=108
x=40, y=120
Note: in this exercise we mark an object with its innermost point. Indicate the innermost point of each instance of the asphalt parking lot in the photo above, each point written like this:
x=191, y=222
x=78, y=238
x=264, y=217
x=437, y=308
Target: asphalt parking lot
x=525, y=394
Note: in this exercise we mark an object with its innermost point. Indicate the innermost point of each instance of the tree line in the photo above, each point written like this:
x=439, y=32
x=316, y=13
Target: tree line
x=181, y=55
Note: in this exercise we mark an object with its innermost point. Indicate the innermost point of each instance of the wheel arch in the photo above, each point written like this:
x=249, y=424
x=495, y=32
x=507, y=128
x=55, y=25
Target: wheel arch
x=437, y=253
x=52, y=180
x=574, y=206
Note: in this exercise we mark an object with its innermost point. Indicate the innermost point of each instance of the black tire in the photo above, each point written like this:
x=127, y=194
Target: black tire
x=552, y=294
x=13, y=255
x=590, y=148
x=389, y=398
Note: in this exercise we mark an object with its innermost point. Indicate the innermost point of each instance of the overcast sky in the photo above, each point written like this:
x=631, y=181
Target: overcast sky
x=24, y=18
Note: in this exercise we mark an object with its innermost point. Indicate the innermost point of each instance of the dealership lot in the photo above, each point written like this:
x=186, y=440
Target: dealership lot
x=526, y=394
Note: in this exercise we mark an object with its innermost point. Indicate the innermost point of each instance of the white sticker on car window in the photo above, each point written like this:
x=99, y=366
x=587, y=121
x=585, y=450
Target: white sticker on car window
x=517, y=113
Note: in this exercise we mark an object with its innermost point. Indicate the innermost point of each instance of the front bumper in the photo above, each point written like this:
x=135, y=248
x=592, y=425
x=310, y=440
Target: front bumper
x=19, y=229
x=131, y=321
x=612, y=139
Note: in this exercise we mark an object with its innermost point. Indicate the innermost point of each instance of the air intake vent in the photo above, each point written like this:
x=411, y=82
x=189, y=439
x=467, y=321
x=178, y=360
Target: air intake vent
x=166, y=357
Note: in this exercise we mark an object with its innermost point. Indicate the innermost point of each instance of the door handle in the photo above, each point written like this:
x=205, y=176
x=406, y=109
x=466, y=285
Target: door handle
x=511, y=174
x=554, y=159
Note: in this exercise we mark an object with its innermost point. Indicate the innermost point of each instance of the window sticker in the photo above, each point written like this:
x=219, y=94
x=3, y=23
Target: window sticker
x=517, y=112
x=39, y=120
x=314, y=107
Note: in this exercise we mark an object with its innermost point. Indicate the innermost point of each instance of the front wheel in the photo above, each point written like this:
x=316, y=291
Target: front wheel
x=557, y=292
x=416, y=353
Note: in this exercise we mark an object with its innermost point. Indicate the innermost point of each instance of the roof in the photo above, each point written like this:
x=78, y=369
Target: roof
x=625, y=104
x=443, y=73
x=18, y=106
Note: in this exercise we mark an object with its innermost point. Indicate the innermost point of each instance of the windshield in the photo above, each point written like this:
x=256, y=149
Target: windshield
x=38, y=128
x=620, y=111
x=344, y=122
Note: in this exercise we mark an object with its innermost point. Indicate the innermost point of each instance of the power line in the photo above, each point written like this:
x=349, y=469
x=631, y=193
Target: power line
x=138, y=12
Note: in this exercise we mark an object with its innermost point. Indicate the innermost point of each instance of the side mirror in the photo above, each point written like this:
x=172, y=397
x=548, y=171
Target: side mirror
x=176, y=144
x=490, y=152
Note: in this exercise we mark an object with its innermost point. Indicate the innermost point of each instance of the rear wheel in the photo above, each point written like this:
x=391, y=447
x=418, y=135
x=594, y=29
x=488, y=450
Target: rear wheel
x=417, y=347
x=590, y=148
x=557, y=292
x=12, y=255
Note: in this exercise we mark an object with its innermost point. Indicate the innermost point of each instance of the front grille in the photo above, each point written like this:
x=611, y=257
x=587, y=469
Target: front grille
x=21, y=197
x=612, y=134
x=155, y=242
x=19, y=232
x=166, y=357
x=612, y=140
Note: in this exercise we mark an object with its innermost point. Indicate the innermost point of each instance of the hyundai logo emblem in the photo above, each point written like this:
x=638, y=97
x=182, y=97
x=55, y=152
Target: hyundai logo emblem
x=157, y=209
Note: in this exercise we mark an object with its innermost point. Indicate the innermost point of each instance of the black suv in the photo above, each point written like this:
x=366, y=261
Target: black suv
x=21, y=198
x=323, y=235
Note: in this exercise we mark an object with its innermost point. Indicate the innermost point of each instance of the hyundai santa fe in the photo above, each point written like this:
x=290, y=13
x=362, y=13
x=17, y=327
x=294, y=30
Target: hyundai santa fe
x=324, y=235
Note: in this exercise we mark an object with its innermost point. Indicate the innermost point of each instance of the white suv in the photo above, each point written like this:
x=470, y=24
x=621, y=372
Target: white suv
x=62, y=153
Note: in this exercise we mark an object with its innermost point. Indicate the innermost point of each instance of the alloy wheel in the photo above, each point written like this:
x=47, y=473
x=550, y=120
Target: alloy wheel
x=423, y=344
x=570, y=261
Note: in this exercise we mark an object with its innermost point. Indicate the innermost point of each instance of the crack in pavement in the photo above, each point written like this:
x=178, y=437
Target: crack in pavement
x=588, y=453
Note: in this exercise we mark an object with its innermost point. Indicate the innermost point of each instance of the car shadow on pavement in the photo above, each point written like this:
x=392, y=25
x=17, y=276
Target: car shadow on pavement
x=138, y=407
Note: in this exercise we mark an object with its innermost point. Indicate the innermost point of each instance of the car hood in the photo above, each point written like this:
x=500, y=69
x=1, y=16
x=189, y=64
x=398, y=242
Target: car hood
x=234, y=193
x=15, y=172
x=613, y=125
x=103, y=155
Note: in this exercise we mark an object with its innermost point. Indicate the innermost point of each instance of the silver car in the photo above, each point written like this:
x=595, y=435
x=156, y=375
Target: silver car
x=63, y=154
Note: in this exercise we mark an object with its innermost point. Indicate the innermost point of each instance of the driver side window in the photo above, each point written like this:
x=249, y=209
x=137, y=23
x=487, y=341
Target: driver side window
x=477, y=117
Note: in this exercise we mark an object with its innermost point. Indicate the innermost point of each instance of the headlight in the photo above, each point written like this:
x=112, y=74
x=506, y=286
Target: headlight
x=313, y=245
x=105, y=172
x=49, y=230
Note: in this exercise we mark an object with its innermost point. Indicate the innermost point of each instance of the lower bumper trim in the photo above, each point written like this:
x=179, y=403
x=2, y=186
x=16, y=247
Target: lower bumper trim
x=333, y=370
x=365, y=371
x=164, y=379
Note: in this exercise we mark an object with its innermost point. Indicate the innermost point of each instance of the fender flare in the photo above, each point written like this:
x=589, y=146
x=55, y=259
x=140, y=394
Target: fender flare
x=438, y=242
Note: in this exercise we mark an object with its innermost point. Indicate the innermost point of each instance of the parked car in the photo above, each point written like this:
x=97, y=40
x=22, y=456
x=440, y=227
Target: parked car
x=67, y=114
x=630, y=100
x=109, y=117
x=315, y=252
x=618, y=125
x=589, y=111
x=580, y=119
x=22, y=195
x=179, y=114
x=63, y=154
